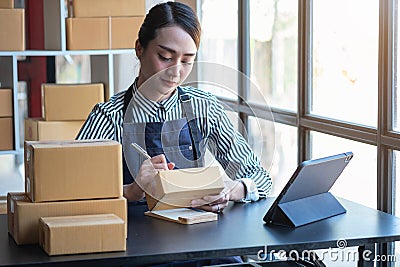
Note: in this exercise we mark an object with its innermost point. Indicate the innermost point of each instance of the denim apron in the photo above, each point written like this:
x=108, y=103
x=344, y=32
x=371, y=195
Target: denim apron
x=179, y=140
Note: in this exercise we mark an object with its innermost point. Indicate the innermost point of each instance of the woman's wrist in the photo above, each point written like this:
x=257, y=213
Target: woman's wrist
x=236, y=190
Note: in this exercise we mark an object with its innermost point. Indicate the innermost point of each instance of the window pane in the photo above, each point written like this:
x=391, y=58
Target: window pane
x=358, y=180
x=276, y=147
x=273, y=51
x=219, y=22
x=345, y=60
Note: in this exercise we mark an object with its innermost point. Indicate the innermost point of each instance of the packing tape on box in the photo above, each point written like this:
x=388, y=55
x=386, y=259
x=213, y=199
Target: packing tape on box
x=12, y=204
x=28, y=185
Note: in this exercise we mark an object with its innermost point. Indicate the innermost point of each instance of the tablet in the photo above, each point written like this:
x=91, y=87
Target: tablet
x=305, y=197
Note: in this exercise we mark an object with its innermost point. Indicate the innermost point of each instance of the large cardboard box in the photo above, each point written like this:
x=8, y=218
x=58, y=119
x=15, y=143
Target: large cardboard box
x=70, y=102
x=36, y=129
x=105, y=8
x=82, y=234
x=6, y=106
x=23, y=214
x=124, y=31
x=177, y=188
x=102, y=33
x=6, y=3
x=71, y=170
x=6, y=134
x=12, y=29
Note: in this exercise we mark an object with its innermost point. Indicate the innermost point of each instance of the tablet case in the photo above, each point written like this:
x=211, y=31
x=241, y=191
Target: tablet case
x=305, y=198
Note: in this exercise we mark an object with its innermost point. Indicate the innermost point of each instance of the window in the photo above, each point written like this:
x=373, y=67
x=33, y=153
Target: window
x=345, y=60
x=328, y=72
x=219, y=41
x=273, y=52
x=281, y=160
x=358, y=180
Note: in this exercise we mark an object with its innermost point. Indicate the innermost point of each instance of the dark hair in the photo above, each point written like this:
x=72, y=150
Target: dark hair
x=169, y=14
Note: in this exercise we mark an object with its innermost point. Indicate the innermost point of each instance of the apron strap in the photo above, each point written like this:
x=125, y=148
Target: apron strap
x=126, y=173
x=189, y=114
x=127, y=98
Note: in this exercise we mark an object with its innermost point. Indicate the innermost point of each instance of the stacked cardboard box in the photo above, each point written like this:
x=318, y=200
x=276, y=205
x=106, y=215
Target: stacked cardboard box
x=104, y=24
x=6, y=119
x=65, y=108
x=12, y=27
x=82, y=179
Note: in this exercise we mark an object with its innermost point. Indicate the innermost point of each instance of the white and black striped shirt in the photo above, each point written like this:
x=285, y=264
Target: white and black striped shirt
x=231, y=149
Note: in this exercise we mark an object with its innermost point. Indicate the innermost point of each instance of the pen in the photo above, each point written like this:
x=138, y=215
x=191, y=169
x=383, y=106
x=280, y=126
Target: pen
x=141, y=150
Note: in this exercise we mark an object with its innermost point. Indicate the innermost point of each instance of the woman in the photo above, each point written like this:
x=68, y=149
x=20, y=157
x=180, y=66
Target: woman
x=166, y=48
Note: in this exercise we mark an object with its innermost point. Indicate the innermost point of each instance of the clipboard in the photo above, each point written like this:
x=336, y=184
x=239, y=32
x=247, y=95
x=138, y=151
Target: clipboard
x=184, y=215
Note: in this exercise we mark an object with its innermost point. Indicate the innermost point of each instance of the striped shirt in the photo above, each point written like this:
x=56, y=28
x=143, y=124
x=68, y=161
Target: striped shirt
x=229, y=148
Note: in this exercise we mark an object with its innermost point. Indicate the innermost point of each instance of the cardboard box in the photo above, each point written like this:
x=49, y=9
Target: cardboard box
x=70, y=102
x=102, y=33
x=125, y=31
x=6, y=134
x=23, y=214
x=176, y=188
x=12, y=29
x=82, y=234
x=6, y=3
x=105, y=8
x=11, y=198
x=72, y=170
x=6, y=100
x=36, y=129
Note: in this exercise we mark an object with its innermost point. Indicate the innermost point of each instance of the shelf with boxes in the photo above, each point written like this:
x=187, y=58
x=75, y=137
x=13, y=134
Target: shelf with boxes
x=105, y=30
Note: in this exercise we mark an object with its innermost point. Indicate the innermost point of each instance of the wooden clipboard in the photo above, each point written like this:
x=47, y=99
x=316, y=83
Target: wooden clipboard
x=183, y=215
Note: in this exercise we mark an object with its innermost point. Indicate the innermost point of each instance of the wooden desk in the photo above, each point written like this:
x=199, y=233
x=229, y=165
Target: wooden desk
x=240, y=230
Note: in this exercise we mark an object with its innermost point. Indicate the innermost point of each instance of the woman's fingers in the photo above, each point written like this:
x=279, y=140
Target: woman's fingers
x=160, y=163
x=214, y=203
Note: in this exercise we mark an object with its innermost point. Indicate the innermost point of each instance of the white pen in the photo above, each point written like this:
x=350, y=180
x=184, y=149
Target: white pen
x=141, y=150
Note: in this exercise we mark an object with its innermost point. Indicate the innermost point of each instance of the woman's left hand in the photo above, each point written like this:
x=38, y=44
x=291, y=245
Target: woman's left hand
x=214, y=203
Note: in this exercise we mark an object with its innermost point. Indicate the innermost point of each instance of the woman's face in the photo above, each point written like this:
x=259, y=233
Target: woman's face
x=169, y=55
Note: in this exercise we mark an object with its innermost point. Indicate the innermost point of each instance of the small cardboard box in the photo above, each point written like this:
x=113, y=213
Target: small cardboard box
x=23, y=214
x=6, y=134
x=82, y=234
x=70, y=102
x=105, y=8
x=102, y=32
x=6, y=106
x=12, y=29
x=6, y=3
x=36, y=129
x=72, y=170
x=177, y=188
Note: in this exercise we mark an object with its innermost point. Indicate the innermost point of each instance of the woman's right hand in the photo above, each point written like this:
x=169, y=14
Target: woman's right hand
x=144, y=181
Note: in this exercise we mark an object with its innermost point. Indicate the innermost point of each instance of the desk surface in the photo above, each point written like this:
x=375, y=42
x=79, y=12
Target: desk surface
x=240, y=230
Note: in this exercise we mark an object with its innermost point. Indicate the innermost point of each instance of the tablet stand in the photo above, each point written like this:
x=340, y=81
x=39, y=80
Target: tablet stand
x=307, y=210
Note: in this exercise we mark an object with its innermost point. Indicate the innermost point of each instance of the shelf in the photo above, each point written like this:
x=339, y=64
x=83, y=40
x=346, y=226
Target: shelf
x=11, y=152
x=112, y=67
